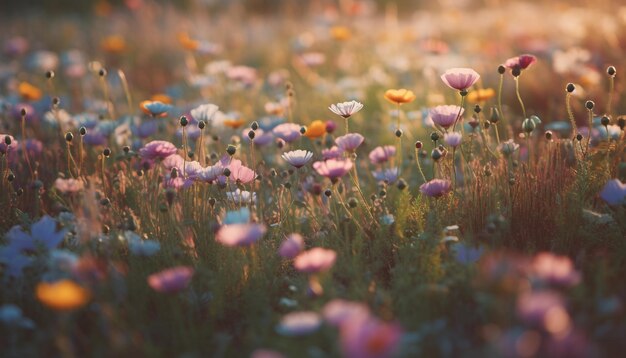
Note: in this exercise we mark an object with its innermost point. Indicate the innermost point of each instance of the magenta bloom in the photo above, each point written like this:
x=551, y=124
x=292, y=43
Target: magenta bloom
x=382, y=154
x=445, y=116
x=555, y=269
x=436, y=188
x=287, y=132
x=241, y=173
x=298, y=158
x=332, y=153
x=369, y=338
x=338, y=311
x=522, y=61
x=349, y=142
x=330, y=126
x=240, y=234
x=453, y=139
x=315, y=260
x=460, y=78
x=333, y=168
x=613, y=193
x=157, y=149
x=171, y=280
x=4, y=148
x=291, y=247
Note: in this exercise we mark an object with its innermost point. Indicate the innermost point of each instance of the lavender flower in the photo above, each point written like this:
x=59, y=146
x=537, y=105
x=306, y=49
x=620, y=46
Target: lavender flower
x=171, y=280
x=298, y=158
x=460, y=78
x=382, y=154
x=349, y=142
x=453, y=139
x=445, y=116
x=157, y=149
x=436, y=188
x=333, y=168
x=288, y=132
x=614, y=192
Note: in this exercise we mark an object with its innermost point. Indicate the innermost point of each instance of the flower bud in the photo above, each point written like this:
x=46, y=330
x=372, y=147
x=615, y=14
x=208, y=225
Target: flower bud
x=231, y=150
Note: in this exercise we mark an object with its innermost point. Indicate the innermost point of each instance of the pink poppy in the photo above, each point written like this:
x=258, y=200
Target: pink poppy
x=171, y=280
x=349, y=142
x=333, y=168
x=240, y=234
x=436, y=188
x=157, y=149
x=382, y=154
x=315, y=260
x=291, y=246
x=445, y=116
x=460, y=78
x=522, y=61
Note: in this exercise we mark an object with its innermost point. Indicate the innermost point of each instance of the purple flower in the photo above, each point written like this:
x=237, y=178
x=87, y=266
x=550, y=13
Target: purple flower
x=95, y=138
x=445, y=116
x=453, y=139
x=436, y=188
x=544, y=309
x=287, y=132
x=4, y=147
x=315, y=260
x=31, y=114
x=382, y=154
x=240, y=234
x=261, y=137
x=555, y=269
x=350, y=141
x=177, y=183
x=332, y=153
x=157, y=149
x=333, y=168
x=614, y=192
x=389, y=175
x=211, y=173
x=291, y=246
x=146, y=129
x=346, y=109
x=298, y=158
x=171, y=280
x=460, y=78
x=338, y=311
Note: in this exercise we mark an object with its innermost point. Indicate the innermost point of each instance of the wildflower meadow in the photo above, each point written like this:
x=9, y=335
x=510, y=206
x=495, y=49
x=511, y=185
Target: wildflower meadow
x=317, y=178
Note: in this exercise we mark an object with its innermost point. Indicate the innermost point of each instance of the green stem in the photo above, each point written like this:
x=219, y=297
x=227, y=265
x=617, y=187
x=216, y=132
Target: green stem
x=519, y=97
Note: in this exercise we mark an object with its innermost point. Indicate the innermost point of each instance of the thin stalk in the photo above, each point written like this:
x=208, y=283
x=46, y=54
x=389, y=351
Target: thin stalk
x=501, y=83
x=519, y=97
x=590, y=111
x=570, y=113
x=25, y=152
x=458, y=116
x=610, y=101
x=419, y=166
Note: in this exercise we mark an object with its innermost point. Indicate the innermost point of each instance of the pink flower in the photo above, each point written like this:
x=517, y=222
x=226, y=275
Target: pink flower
x=315, y=260
x=171, y=280
x=369, y=338
x=445, y=116
x=330, y=126
x=346, y=109
x=555, y=269
x=453, y=139
x=338, y=311
x=240, y=234
x=298, y=158
x=522, y=61
x=266, y=353
x=68, y=185
x=241, y=173
x=543, y=309
x=288, y=132
x=244, y=74
x=177, y=183
x=291, y=246
x=436, y=188
x=157, y=149
x=382, y=154
x=614, y=192
x=460, y=78
x=350, y=141
x=211, y=173
x=332, y=153
x=299, y=323
x=4, y=148
x=333, y=168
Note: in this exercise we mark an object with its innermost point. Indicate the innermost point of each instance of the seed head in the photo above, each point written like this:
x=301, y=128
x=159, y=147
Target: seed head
x=501, y=69
x=605, y=121
x=589, y=105
x=611, y=71
x=434, y=136
x=231, y=150
x=82, y=131
x=570, y=88
x=106, y=152
x=398, y=133
x=254, y=126
x=68, y=137
x=201, y=124
x=183, y=121
x=419, y=145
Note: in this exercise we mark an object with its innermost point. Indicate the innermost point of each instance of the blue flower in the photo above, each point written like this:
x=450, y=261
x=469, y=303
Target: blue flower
x=140, y=247
x=43, y=234
x=240, y=216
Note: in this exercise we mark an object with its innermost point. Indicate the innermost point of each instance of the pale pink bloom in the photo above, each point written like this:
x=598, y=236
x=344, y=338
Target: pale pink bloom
x=211, y=173
x=346, y=109
x=460, y=78
x=240, y=234
x=436, y=188
x=332, y=153
x=177, y=183
x=388, y=175
x=313, y=59
x=157, y=149
x=171, y=280
x=338, y=311
x=382, y=154
x=522, y=61
x=288, y=132
x=445, y=116
x=266, y=353
x=204, y=112
x=453, y=139
x=614, y=192
x=244, y=74
x=192, y=169
x=241, y=173
x=535, y=308
x=333, y=168
x=173, y=161
x=369, y=338
x=299, y=323
x=291, y=246
x=350, y=141
x=261, y=137
x=298, y=158
x=315, y=260
x=4, y=148
x=68, y=185
x=555, y=269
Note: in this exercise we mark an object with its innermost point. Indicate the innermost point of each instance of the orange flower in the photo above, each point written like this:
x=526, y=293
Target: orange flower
x=316, y=129
x=340, y=33
x=154, y=108
x=234, y=123
x=481, y=95
x=187, y=42
x=29, y=92
x=400, y=96
x=113, y=44
x=161, y=97
x=62, y=295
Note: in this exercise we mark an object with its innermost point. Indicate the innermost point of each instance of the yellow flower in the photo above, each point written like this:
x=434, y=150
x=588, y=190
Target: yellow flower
x=234, y=123
x=481, y=95
x=400, y=96
x=29, y=92
x=113, y=44
x=62, y=295
x=340, y=33
x=187, y=42
x=316, y=129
